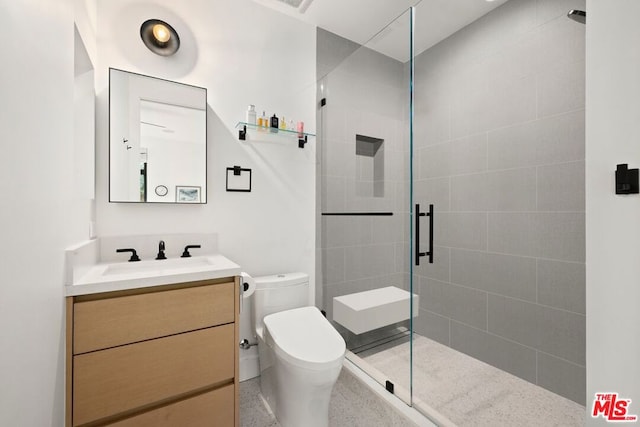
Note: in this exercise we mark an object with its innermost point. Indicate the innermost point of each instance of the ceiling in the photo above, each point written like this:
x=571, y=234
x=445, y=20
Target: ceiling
x=361, y=20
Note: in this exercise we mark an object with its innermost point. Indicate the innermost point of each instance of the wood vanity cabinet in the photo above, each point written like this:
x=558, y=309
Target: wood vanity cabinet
x=159, y=356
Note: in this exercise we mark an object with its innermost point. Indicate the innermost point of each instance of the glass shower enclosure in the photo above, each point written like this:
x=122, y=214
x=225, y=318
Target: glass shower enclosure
x=452, y=210
x=366, y=202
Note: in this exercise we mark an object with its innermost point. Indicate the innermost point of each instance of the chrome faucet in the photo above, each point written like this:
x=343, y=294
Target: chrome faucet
x=161, y=254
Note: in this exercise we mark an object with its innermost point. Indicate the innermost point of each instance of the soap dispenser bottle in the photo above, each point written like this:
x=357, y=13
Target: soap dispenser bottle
x=274, y=123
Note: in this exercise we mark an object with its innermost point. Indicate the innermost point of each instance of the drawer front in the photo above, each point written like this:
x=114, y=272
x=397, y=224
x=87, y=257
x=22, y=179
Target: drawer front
x=121, y=379
x=214, y=408
x=111, y=322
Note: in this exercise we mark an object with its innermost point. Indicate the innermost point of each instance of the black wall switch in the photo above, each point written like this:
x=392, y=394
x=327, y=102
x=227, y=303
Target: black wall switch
x=627, y=180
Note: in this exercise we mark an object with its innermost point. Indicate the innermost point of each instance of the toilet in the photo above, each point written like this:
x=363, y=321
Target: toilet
x=300, y=352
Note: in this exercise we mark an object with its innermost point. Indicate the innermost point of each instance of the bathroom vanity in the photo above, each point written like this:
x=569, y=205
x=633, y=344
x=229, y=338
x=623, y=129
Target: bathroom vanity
x=140, y=354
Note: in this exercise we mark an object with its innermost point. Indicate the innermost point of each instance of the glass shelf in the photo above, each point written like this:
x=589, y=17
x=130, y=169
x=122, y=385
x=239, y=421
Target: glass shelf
x=249, y=126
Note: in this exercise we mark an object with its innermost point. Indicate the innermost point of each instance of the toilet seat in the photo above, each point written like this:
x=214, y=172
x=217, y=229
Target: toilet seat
x=305, y=338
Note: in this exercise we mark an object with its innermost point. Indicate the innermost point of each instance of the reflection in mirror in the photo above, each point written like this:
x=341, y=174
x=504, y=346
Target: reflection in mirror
x=158, y=139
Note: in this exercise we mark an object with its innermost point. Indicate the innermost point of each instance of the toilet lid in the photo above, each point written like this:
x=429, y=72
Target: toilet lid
x=305, y=337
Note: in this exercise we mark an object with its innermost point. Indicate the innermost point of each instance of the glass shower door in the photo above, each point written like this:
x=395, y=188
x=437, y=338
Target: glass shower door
x=364, y=118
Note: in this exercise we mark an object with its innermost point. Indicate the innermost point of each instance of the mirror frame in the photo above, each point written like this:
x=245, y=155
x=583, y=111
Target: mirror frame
x=206, y=142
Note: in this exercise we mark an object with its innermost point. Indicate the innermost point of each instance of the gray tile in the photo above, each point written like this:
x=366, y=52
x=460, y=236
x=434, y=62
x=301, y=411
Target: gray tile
x=561, y=88
x=562, y=377
x=369, y=261
x=333, y=266
x=556, y=332
x=511, y=21
x=364, y=168
x=562, y=285
x=561, y=41
x=432, y=120
x=333, y=194
x=459, y=230
x=512, y=190
x=508, y=275
x=433, y=191
x=432, y=325
x=395, y=165
x=468, y=154
x=434, y=161
x=469, y=108
x=402, y=257
x=387, y=229
x=550, y=140
x=561, y=187
x=462, y=304
x=332, y=123
x=339, y=231
x=559, y=236
x=515, y=60
x=439, y=270
x=506, y=355
x=512, y=101
x=338, y=159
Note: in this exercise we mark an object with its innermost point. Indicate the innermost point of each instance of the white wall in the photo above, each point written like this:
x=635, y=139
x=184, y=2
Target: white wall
x=40, y=213
x=613, y=222
x=243, y=54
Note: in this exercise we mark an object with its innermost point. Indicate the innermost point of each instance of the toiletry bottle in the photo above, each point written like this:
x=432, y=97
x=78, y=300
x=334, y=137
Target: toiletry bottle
x=251, y=115
x=292, y=126
x=274, y=123
x=283, y=123
x=264, y=121
x=300, y=129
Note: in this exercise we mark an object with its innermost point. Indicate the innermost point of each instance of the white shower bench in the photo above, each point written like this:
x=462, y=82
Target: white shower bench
x=365, y=311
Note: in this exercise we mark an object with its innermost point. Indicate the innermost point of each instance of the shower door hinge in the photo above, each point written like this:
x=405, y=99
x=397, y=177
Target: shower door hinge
x=323, y=102
x=389, y=386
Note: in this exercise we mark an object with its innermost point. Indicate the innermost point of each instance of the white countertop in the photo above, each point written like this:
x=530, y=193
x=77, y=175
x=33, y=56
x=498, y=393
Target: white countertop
x=118, y=276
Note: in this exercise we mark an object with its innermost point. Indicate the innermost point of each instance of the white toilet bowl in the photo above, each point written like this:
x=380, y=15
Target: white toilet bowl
x=307, y=354
x=300, y=353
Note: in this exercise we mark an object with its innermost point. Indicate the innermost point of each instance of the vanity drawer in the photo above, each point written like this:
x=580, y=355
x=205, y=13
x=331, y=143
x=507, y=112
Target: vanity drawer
x=114, y=381
x=214, y=408
x=110, y=322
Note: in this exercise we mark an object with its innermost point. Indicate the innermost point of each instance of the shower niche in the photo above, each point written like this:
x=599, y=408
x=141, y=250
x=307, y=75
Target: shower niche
x=369, y=166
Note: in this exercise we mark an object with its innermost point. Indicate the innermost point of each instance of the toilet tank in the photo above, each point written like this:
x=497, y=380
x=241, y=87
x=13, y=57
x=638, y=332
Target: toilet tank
x=277, y=293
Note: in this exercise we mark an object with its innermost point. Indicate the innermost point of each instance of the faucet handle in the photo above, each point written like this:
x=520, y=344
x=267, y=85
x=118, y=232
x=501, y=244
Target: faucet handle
x=134, y=255
x=186, y=253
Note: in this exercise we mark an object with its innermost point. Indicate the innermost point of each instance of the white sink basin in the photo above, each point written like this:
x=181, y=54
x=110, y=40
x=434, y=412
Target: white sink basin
x=116, y=276
x=152, y=266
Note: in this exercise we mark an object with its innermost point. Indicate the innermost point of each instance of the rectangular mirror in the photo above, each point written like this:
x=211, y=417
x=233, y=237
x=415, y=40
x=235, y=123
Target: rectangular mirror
x=157, y=140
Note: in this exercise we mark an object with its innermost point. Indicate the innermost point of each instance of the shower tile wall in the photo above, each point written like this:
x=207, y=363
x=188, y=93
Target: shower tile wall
x=499, y=143
x=366, y=100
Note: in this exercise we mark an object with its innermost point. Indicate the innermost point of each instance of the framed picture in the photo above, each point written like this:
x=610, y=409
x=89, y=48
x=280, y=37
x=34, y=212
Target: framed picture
x=187, y=194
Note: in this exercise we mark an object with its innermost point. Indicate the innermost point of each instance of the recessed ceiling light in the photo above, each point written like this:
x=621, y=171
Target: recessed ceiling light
x=160, y=37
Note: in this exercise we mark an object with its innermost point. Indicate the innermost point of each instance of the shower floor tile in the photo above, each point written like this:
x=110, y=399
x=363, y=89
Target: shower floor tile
x=470, y=392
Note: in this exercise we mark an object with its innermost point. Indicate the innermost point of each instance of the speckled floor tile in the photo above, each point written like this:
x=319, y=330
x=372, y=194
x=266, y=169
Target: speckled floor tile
x=353, y=404
x=470, y=392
